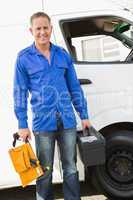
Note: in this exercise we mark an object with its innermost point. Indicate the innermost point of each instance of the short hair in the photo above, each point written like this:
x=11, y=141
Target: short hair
x=39, y=14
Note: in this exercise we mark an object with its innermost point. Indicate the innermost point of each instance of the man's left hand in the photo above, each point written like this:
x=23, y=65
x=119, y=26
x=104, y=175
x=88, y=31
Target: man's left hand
x=85, y=123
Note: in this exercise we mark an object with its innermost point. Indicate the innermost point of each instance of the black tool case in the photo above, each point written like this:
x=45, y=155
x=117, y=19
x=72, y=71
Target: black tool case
x=91, y=146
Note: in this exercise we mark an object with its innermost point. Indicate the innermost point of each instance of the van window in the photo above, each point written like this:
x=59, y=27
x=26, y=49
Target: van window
x=99, y=39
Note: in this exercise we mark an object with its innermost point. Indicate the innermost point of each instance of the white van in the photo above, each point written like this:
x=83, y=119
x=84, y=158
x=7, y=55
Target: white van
x=99, y=37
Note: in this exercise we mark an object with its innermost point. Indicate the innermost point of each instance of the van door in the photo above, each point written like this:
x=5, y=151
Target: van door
x=100, y=46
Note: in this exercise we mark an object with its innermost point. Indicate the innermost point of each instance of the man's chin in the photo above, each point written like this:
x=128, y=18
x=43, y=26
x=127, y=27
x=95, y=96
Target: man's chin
x=43, y=42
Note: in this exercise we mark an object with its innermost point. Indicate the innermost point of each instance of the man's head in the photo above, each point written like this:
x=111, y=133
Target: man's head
x=41, y=28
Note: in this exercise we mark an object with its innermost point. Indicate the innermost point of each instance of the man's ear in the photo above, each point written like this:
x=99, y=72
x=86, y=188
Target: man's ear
x=30, y=29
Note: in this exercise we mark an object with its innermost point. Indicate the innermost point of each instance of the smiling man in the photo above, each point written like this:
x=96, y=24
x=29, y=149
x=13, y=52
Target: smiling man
x=47, y=72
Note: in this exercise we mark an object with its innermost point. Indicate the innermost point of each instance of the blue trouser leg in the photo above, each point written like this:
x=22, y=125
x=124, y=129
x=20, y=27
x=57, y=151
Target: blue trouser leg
x=67, y=144
x=45, y=145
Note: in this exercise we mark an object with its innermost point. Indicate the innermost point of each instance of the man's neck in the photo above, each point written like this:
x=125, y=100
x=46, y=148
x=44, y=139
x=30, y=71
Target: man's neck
x=43, y=48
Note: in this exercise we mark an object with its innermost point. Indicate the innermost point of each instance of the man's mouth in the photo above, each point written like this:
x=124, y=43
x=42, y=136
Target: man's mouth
x=43, y=38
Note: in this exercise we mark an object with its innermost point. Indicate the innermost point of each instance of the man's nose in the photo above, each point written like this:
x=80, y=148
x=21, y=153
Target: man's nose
x=42, y=31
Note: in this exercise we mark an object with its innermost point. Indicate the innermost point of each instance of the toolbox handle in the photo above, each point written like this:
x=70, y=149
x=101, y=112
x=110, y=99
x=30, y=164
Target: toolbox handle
x=86, y=132
x=16, y=137
x=91, y=131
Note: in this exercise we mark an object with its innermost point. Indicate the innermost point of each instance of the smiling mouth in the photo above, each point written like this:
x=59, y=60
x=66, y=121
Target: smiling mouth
x=43, y=38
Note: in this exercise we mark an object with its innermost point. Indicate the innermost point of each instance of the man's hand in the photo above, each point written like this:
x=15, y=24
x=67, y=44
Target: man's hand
x=85, y=123
x=24, y=133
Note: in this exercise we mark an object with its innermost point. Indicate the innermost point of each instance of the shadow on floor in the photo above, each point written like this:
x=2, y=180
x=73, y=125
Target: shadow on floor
x=28, y=193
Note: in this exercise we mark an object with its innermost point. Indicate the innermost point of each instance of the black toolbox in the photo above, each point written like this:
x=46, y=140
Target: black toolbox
x=91, y=146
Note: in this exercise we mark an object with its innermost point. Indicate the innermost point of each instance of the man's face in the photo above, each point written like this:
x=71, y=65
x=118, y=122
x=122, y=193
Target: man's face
x=41, y=30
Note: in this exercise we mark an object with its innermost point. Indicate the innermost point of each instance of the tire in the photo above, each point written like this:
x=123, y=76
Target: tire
x=115, y=177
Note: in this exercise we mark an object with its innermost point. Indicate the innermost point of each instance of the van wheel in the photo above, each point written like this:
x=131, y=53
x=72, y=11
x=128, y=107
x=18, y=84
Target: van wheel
x=115, y=177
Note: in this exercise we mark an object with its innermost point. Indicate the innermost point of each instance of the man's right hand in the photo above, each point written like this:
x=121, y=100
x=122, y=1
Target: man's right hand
x=24, y=134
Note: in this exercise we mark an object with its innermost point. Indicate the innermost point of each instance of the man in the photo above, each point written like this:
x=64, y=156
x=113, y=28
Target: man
x=46, y=71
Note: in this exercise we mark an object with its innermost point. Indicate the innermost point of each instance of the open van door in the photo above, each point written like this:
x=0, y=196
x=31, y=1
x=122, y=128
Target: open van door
x=100, y=44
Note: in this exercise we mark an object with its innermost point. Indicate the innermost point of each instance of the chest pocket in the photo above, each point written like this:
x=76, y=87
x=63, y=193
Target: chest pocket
x=35, y=71
x=61, y=69
x=35, y=74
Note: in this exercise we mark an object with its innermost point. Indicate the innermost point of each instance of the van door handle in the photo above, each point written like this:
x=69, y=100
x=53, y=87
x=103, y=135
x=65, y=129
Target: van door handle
x=85, y=81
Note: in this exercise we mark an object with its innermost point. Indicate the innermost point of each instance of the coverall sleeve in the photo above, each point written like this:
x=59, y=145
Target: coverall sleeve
x=76, y=92
x=20, y=94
